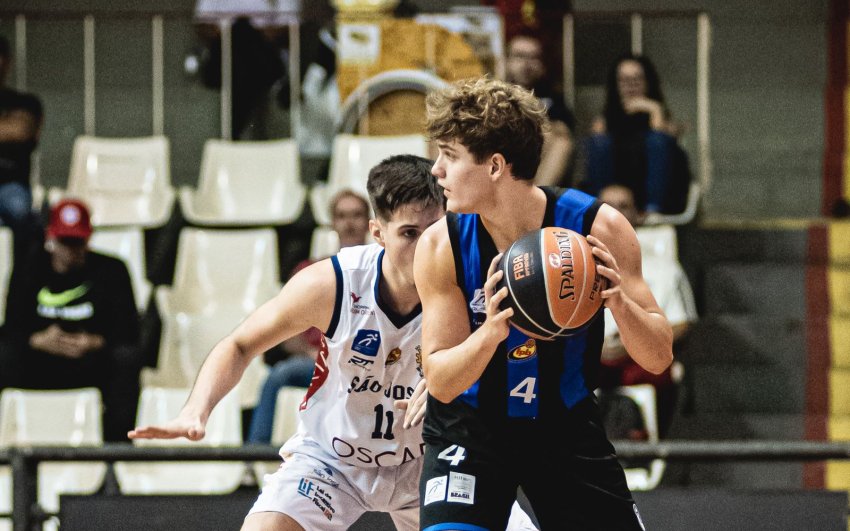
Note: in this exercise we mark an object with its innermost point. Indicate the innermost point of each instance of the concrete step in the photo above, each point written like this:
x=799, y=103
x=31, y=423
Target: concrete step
x=765, y=289
x=747, y=389
x=746, y=339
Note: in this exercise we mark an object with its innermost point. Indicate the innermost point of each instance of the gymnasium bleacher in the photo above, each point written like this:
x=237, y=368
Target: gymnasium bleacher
x=769, y=359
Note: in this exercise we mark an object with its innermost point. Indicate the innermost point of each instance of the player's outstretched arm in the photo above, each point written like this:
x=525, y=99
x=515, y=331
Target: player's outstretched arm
x=644, y=330
x=306, y=300
x=452, y=358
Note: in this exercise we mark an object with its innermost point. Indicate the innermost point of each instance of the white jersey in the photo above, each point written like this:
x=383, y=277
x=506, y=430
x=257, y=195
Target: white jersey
x=369, y=358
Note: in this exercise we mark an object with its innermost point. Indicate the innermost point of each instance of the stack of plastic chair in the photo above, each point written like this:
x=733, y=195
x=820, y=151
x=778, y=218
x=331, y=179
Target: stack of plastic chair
x=125, y=181
x=6, y=260
x=284, y=425
x=221, y=275
x=352, y=157
x=246, y=183
x=53, y=418
x=224, y=428
x=127, y=244
x=645, y=478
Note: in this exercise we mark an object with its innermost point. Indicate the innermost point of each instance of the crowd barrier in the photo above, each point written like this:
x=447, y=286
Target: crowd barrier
x=24, y=460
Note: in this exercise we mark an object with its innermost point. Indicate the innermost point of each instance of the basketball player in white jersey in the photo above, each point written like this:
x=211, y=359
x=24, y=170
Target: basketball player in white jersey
x=355, y=449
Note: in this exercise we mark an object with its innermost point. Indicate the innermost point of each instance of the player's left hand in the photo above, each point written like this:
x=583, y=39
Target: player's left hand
x=415, y=405
x=608, y=268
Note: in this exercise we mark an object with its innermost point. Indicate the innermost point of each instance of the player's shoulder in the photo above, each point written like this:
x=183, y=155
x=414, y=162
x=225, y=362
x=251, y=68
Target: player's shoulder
x=434, y=241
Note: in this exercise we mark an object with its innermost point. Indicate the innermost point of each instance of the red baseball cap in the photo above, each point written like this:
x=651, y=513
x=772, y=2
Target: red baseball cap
x=69, y=218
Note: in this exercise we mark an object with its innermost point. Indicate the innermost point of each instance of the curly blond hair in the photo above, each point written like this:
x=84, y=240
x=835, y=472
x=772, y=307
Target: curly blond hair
x=490, y=116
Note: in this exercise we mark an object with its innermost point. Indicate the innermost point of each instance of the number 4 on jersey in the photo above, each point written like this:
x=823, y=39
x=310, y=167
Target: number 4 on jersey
x=525, y=390
x=454, y=454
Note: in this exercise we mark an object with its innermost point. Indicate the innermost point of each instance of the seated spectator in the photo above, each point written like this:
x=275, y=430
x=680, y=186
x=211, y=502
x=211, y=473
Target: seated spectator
x=20, y=127
x=670, y=286
x=72, y=321
x=526, y=67
x=350, y=220
x=634, y=142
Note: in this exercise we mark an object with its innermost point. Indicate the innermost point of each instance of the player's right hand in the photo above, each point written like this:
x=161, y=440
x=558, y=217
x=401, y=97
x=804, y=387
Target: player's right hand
x=194, y=430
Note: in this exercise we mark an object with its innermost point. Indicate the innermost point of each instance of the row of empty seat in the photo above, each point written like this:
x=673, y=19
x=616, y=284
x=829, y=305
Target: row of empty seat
x=72, y=418
x=127, y=181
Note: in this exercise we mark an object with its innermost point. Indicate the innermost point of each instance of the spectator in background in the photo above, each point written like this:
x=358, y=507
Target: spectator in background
x=350, y=221
x=634, y=142
x=21, y=118
x=526, y=67
x=72, y=321
x=670, y=286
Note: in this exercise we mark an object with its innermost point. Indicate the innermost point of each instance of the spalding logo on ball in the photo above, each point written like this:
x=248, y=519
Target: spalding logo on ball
x=553, y=286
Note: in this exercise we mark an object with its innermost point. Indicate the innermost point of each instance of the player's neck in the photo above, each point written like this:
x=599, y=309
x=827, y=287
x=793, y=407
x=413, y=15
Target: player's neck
x=519, y=208
x=397, y=292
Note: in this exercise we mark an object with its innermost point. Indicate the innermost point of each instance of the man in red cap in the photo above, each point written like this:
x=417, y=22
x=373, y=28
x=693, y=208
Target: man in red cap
x=71, y=320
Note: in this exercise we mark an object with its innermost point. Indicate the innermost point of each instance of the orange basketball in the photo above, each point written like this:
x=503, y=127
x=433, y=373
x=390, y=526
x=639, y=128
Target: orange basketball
x=553, y=286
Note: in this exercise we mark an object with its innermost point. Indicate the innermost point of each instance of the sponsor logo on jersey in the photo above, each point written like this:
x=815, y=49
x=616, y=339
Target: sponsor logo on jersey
x=435, y=490
x=393, y=356
x=419, y=361
x=350, y=452
x=477, y=302
x=321, y=498
x=326, y=475
x=372, y=385
x=523, y=351
x=366, y=342
x=461, y=488
x=357, y=308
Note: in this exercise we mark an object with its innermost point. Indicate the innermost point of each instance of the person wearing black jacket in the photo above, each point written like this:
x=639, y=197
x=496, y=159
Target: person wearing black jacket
x=71, y=321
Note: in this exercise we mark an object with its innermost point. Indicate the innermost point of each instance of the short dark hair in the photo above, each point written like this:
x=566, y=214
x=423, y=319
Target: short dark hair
x=402, y=180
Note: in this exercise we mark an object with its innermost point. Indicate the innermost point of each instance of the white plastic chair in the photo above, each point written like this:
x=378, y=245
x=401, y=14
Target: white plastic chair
x=124, y=181
x=645, y=478
x=284, y=425
x=221, y=275
x=186, y=340
x=231, y=269
x=246, y=183
x=7, y=254
x=324, y=242
x=351, y=159
x=62, y=418
x=128, y=244
x=224, y=428
x=686, y=216
x=658, y=241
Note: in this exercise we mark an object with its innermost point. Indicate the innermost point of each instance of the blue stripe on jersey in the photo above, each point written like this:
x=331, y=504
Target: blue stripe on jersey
x=569, y=214
x=522, y=374
x=455, y=525
x=338, y=302
x=468, y=229
x=570, y=209
x=573, y=388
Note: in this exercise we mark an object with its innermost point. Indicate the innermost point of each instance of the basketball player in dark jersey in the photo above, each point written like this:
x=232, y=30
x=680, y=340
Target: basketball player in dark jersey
x=506, y=410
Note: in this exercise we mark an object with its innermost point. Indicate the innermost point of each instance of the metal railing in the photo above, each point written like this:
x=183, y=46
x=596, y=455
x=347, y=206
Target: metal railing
x=24, y=460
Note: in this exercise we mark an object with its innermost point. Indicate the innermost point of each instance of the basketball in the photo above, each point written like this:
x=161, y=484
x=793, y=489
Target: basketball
x=553, y=286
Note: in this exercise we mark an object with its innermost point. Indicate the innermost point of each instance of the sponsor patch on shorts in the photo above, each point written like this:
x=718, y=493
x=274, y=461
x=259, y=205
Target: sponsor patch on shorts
x=435, y=490
x=461, y=488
